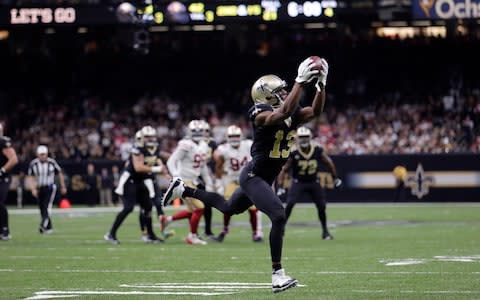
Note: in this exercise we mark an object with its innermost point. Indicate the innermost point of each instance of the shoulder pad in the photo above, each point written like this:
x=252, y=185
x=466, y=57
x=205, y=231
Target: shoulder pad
x=320, y=148
x=136, y=151
x=185, y=144
x=221, y=149
x=258, y=108
x=247, y=142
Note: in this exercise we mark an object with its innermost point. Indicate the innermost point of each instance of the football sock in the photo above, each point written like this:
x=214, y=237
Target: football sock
x=118, y=221
x=253, y=219
x=195, y=220
x=209, y=198
x=149, y=226
x=207, y=215
x=323, y=219
x=226, y=222
x=183, y=214
x=141, y=220
x=3, y=216
x=276, y=266
x=276, y=236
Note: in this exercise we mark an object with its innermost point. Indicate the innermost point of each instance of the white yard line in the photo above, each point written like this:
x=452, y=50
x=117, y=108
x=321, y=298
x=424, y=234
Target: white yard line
x=60, y=294
x=240, y=272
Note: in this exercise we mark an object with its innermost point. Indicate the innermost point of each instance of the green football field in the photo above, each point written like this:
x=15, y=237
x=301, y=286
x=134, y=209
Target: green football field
x=380, y=251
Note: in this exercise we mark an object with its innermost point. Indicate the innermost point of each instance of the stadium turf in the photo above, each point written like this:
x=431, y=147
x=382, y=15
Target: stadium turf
x=380, y=251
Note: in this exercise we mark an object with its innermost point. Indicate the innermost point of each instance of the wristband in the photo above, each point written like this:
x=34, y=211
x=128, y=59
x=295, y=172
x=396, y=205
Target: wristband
x=157, y=169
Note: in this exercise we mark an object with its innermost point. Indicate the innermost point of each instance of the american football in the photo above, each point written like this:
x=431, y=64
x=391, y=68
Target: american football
x=318, y=62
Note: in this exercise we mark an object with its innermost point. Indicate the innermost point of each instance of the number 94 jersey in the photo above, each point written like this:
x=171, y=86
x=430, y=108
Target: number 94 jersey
x=234, y=159
x=271, y=144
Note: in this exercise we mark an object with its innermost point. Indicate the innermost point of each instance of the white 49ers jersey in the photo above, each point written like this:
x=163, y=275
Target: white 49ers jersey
x=234, y=159
x=188, y=160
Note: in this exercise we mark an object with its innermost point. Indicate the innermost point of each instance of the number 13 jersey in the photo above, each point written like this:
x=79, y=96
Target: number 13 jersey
x=271, y=144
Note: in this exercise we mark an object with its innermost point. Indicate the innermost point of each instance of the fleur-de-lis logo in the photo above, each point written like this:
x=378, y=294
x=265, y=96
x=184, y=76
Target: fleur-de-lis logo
x=426, y=5
x=420, y=183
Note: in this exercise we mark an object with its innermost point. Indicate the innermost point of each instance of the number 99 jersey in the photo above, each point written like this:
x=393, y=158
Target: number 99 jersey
x=271, y=144
x=234, y=159
x=188, y=159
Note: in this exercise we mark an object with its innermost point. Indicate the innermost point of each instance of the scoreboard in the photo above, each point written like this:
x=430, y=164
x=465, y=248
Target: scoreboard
x=178, y=12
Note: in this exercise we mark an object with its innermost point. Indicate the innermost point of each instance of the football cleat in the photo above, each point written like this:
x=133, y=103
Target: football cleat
x=221, y=236
x=5, y=235
x=281, y=281
x=257, y=238
x=151, y=239
x=43, y=230
x=110, y=238
x=327, y=236
x=193, y=239
x=168, y=234
x=208, y=236
x=174, y=190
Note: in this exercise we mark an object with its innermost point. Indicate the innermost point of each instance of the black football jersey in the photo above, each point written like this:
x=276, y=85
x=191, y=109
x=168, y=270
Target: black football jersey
x=306, y=165
x=4, y=143
x=212, y=145
x=150, y=159
x=271, y=144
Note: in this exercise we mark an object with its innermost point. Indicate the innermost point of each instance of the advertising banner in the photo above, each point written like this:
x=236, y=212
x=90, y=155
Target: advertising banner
x=446, y=9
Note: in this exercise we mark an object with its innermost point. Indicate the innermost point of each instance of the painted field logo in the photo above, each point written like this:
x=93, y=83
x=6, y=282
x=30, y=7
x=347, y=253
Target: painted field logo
x=446, y=9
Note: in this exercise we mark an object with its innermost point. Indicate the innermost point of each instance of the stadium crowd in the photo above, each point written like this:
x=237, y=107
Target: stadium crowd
x=87, y=101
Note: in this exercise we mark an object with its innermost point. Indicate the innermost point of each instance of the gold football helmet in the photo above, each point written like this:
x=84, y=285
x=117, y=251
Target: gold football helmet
x=267, y=89
x=138, y=139
x=304, y=136
x=195, y=130
x=149, y=137
x=234, y=135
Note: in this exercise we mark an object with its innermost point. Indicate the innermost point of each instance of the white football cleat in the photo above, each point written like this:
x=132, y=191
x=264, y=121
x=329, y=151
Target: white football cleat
x=281, y=281
x=174, y=191
x=193, y=239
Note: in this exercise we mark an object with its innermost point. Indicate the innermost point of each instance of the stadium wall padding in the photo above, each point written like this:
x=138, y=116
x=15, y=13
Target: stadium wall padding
x=367, y=178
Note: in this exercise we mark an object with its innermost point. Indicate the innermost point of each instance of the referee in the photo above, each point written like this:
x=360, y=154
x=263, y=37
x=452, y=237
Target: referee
x=43, y=170
x=8, y=159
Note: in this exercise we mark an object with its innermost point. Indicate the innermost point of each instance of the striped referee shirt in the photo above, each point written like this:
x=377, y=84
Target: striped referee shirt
x=44, y=172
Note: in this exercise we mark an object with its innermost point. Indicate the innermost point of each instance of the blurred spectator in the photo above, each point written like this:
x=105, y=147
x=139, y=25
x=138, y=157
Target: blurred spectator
x=106, y=188
x=92, y=184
